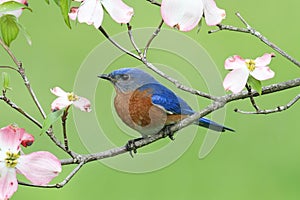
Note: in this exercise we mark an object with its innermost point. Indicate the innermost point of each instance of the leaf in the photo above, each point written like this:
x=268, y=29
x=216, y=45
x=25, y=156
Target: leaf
x=9, y=28
x=47, y=1
x=50, y=119
x=255, y=84
x=65, y=8
x=25, y=33
x=6, y=81
x=12, y=5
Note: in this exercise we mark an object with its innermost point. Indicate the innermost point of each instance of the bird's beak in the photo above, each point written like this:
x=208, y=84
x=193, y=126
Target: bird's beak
x=105, y=76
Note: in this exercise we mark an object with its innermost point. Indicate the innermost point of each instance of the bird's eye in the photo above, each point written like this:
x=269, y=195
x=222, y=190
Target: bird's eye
x=124, y=77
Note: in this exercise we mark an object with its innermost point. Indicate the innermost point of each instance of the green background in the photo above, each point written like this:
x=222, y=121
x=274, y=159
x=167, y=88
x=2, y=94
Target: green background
x=260, y=161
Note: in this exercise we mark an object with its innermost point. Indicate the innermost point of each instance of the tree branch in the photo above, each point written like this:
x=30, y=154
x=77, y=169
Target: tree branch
x=217, y=104
x=155, y=33
x=156, y=70
x=251, y=97
x=58, y=185
x=131, y=38
x=21, y=71
x=64, y=126
x=101, y=29
x=270, y=111
x=20, y=110
x=257, y=34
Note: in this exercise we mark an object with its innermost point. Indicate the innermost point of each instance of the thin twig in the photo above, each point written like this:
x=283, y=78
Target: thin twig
x=21, y=71
x=117, y=44
x=156, y=70
x=257, y=34
x=275, y=110
x=10, y=53
x=31, y=92
x=131, y=38
x=9, y=67
x=20, y=110
x=176, y=82
x=58, y=185
x=252, y=98
x=154, y=2
x=155, y=33
x=64, y=126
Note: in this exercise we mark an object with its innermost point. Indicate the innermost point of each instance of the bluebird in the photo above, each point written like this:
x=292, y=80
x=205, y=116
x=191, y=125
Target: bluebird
x=147, y=106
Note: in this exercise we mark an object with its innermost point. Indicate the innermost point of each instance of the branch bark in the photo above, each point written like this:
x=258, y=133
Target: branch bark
x=252, y=31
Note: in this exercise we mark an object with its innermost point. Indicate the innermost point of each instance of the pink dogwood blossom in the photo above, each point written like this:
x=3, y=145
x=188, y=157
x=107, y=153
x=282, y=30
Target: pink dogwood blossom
x=38, y=167
x=91, y=11
x=16, y=13
x=186, y=14
x=68, y=98
x=241, y=68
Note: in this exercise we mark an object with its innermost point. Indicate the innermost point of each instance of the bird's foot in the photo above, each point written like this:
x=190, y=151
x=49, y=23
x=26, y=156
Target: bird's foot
x=168, y=133
x=131, y=147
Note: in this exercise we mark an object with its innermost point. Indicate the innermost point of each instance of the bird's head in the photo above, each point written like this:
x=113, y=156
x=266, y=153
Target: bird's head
x=128, y=79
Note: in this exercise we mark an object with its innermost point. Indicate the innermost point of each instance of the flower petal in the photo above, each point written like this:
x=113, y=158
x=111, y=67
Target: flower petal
x=264, y=60
x=235, y=62
x=213, y=14
x=27, y=139
x=39, y=167
x=83, y=104
x=118, y=10
x=58, y=92
x=183, y=15
x=236, y=80
x=11, y=137
x=60, y=103
x=8, y=183
x=91, y=12
x=262, y=73
x=73, y=13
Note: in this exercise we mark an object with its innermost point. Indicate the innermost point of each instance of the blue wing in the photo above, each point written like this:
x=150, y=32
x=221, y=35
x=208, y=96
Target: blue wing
x=173, y=104
x=168, y=100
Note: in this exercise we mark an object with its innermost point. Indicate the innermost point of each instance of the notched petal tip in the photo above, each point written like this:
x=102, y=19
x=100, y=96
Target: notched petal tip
x=264, y=60
x=27, y=140
x=234, y=62
x=58, y=91
x=213, y=14
x=182, y=15
x=118, y=10
x=83, y=104
x=73, y=13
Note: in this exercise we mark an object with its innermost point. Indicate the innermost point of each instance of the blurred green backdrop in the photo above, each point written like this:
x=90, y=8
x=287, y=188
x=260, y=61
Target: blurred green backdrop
x=260, y=161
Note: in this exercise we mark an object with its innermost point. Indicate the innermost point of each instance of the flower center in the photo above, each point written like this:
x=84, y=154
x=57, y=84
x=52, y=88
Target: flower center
x=11, y=159
x=250, y=65
x=72, y=97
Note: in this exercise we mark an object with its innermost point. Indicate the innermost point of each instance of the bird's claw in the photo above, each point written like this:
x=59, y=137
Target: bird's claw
x=131, y=147
x=167, y=132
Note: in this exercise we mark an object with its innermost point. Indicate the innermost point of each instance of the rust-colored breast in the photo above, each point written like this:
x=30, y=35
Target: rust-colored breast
x=138, y=112
x=140, y=104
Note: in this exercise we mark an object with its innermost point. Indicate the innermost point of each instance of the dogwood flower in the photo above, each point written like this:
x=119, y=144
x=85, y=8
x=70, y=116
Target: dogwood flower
x=16, y=13
x=236, y=80
x=68, y=98
x=38, y=167
x=91, y=11
x=186, y=14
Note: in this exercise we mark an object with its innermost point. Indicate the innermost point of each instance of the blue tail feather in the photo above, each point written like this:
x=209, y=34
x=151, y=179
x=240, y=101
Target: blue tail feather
x=213, y=125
